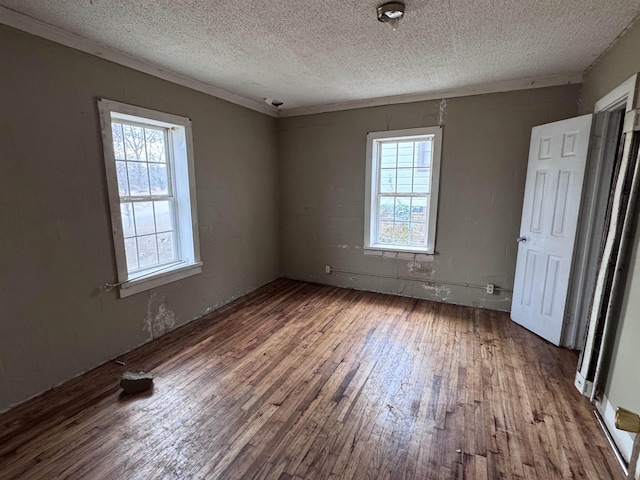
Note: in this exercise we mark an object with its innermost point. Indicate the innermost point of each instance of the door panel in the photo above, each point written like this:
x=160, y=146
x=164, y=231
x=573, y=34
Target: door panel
x=538, y=200
x=562, y=197
x=557, y=159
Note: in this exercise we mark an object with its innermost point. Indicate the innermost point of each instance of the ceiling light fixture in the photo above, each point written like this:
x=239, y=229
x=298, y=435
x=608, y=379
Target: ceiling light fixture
x=391, y=13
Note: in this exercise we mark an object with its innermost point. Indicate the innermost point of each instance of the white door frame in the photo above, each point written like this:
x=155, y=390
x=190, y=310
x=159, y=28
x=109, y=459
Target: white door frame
x=624, y=94
x=577, y=312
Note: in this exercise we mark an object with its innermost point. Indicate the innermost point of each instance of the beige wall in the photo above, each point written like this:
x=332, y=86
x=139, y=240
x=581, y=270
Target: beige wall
x=484, y=160
x=56, y=243
x=623, y=382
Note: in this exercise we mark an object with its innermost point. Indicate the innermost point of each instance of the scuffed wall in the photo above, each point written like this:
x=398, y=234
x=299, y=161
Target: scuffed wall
x=56, y=244
x=484, y=160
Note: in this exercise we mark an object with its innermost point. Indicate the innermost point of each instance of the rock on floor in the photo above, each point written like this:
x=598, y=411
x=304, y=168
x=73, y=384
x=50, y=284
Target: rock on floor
x=132, y=382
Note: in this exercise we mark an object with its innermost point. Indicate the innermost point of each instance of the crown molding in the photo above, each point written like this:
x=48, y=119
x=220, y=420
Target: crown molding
x=47, y=31
x=506, y=86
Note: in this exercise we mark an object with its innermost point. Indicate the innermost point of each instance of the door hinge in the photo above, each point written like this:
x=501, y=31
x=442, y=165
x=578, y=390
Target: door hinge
x=632, y=121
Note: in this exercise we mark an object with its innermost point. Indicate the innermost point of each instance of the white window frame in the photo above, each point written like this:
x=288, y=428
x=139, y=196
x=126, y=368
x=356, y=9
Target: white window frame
x=372, y=184
x=182, y=178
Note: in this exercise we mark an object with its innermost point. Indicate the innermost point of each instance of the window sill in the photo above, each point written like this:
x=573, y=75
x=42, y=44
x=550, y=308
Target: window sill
x=391, y=248
x=402, y=253
x=161, y=278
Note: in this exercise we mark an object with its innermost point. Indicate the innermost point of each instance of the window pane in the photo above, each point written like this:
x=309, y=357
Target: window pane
x=403, y=205
x=405, y=155
x=118, y=141
x=138, y=179
x=419, y=210
x=401, y=233
x=131, y=252
x=404, y=180
x=158, y=179
x=423, y=154
x=387, y=181
x=134, y=143
x=145, y=223
x=386, y=208
x=126, y=212
x=155, y=145
x=165, y=248
x=388, y=154
x=147, y=253
x=421, y=178
x=123, y=184
x=163, y=216
x=385, y=232
x=418, y=232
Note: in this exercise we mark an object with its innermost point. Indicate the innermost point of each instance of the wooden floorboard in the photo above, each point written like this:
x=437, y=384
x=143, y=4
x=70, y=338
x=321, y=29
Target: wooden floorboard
x=303, y=381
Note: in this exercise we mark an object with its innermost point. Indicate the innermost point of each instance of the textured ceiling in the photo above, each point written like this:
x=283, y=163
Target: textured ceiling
x=310, y=53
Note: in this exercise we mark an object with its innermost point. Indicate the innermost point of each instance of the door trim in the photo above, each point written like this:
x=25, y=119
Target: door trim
x=585, y=375
x=623, y=95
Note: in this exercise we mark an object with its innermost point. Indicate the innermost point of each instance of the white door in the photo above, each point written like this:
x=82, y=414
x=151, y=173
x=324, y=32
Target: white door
x=557, y=159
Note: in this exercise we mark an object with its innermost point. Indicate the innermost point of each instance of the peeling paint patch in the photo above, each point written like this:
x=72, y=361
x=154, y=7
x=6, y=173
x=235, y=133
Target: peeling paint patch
x=504, y=299
x=217, y=306
x=343, y=246
x=442, y=110
x=160, y=318
x=441, y=291
x=415, y=266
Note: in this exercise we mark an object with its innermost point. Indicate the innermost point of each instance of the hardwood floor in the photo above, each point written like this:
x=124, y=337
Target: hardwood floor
x=307, y=381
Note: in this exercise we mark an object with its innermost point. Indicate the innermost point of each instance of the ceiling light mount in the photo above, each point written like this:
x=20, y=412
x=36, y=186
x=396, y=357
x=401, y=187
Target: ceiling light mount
x=273, y=102
x=391, y=13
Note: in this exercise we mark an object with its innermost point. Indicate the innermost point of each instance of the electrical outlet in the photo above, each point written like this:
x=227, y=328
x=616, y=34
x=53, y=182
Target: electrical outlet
x=490, y=287
x=327, y=269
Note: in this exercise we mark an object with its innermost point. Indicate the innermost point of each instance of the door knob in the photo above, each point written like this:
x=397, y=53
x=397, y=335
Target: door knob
x=521, y=239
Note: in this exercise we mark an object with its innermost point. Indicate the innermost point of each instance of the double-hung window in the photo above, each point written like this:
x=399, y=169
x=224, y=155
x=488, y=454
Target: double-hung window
x=149, y=165
x=403, y=169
